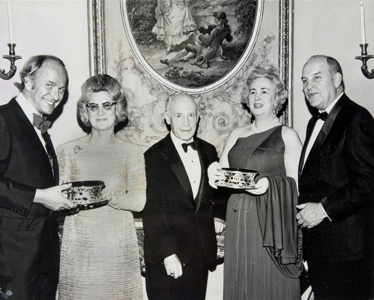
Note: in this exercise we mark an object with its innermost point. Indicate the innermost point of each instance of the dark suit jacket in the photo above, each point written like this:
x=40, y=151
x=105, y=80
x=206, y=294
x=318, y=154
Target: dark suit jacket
x=28, y=236
x=172, y=218
x=339, y=172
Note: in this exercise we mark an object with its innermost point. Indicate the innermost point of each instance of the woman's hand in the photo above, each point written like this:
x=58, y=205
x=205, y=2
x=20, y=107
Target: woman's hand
x=110, y=196
x=106, y=195
x=260, y=188
x=215, y=173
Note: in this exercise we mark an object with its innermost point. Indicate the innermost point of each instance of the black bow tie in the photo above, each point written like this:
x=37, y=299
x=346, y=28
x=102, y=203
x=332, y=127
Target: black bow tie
x=41, y=123
x=193, y=145
x=321, y=116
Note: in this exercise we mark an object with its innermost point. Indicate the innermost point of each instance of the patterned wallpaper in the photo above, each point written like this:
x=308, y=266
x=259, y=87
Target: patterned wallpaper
x=220, y=110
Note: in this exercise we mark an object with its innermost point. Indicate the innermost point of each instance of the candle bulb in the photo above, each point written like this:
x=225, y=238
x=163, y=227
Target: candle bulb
x=10, y=27
x=363, y=31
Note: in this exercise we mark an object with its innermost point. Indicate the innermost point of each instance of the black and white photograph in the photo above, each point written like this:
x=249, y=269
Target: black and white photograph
x=186, y=149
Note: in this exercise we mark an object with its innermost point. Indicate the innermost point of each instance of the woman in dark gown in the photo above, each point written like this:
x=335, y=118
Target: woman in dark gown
x=262, y=251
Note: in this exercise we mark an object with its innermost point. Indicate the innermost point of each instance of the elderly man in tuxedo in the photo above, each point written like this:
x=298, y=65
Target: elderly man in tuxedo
x=28, y=172
x=180, y=243
x=336, y=177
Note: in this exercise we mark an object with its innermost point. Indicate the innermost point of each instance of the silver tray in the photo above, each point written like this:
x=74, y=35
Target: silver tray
x=240, y=179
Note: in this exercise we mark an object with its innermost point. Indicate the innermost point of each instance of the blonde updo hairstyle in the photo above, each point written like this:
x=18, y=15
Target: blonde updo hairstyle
x=270, y=73
x=102, y=83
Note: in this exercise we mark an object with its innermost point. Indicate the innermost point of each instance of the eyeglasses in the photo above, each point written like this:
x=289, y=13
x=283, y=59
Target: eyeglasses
x=94, y=107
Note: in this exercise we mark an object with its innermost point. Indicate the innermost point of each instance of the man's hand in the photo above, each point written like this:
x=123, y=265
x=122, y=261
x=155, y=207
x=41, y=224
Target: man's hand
x=173, y=266
x=261, y=187
x=219, y=225
x=53, y=198
x=310, y=215
x=215, y=173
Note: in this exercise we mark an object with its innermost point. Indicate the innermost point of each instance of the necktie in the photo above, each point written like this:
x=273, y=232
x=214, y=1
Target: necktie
x=51, y=155
x=41, y=123
x=194, y=145
x=322, y=116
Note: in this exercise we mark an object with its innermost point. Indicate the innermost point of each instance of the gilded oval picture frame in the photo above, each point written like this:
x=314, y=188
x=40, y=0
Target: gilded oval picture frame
x=188, y=45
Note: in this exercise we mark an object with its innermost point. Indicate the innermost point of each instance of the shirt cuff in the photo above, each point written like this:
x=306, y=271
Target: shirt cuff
x=324, y=211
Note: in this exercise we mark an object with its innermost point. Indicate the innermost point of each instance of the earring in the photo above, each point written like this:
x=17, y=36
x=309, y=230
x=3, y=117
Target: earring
x=275, y=110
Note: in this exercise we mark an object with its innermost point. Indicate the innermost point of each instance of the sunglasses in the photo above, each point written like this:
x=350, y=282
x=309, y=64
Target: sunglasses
x=94, y=107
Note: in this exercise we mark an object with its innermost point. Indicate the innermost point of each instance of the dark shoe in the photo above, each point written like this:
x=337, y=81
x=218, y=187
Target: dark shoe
x=164, y=61
x=199, y=61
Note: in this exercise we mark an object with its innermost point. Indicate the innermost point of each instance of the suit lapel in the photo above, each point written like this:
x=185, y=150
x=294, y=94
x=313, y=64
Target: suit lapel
x=204, y=167
x=325, y=130
x=30, y=136
x=171, y=155
x=309, y=131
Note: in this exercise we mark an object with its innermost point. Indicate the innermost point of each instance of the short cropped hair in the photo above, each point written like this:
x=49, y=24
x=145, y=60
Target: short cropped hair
x=102, y=83
x=33, y=64
x=270, y=73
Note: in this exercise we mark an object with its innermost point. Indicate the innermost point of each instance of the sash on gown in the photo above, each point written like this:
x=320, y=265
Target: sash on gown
x=277, y=211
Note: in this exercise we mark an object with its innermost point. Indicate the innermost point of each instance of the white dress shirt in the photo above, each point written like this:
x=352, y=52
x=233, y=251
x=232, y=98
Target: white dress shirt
x=317, y=128
x=29, y=110
x=191, y=163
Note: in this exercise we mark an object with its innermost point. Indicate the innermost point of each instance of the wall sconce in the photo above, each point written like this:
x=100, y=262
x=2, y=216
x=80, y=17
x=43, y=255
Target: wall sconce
x=12, y=57
x=364, y=57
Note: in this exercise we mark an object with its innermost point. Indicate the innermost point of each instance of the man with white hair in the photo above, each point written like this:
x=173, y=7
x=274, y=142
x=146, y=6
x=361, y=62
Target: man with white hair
x=180, y=242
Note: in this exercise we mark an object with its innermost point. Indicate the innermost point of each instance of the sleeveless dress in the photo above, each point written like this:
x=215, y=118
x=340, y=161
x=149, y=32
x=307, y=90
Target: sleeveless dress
x=249, y=272
x=99, y=251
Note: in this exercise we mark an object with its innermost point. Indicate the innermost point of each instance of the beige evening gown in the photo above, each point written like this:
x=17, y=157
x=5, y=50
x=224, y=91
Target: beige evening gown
x=99, y=251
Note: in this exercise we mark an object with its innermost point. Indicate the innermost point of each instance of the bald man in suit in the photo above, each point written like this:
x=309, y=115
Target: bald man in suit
x=336, y=177
x=180, y=232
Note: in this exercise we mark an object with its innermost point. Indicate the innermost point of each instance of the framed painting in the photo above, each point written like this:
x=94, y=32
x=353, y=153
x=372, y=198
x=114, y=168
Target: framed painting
x=182, y=43
x=186, y=45
x=205, y=48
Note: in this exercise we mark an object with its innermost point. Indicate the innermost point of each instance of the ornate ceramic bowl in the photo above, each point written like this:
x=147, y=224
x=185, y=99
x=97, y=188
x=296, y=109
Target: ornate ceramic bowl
x=84, y=192
x=238, y=179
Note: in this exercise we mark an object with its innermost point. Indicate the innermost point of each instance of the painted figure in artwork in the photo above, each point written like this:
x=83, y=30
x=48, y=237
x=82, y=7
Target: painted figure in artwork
x=174, y=24
x=208, y=43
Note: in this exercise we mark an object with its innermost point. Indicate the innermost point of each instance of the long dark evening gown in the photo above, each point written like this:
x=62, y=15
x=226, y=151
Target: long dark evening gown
x=249, y=272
